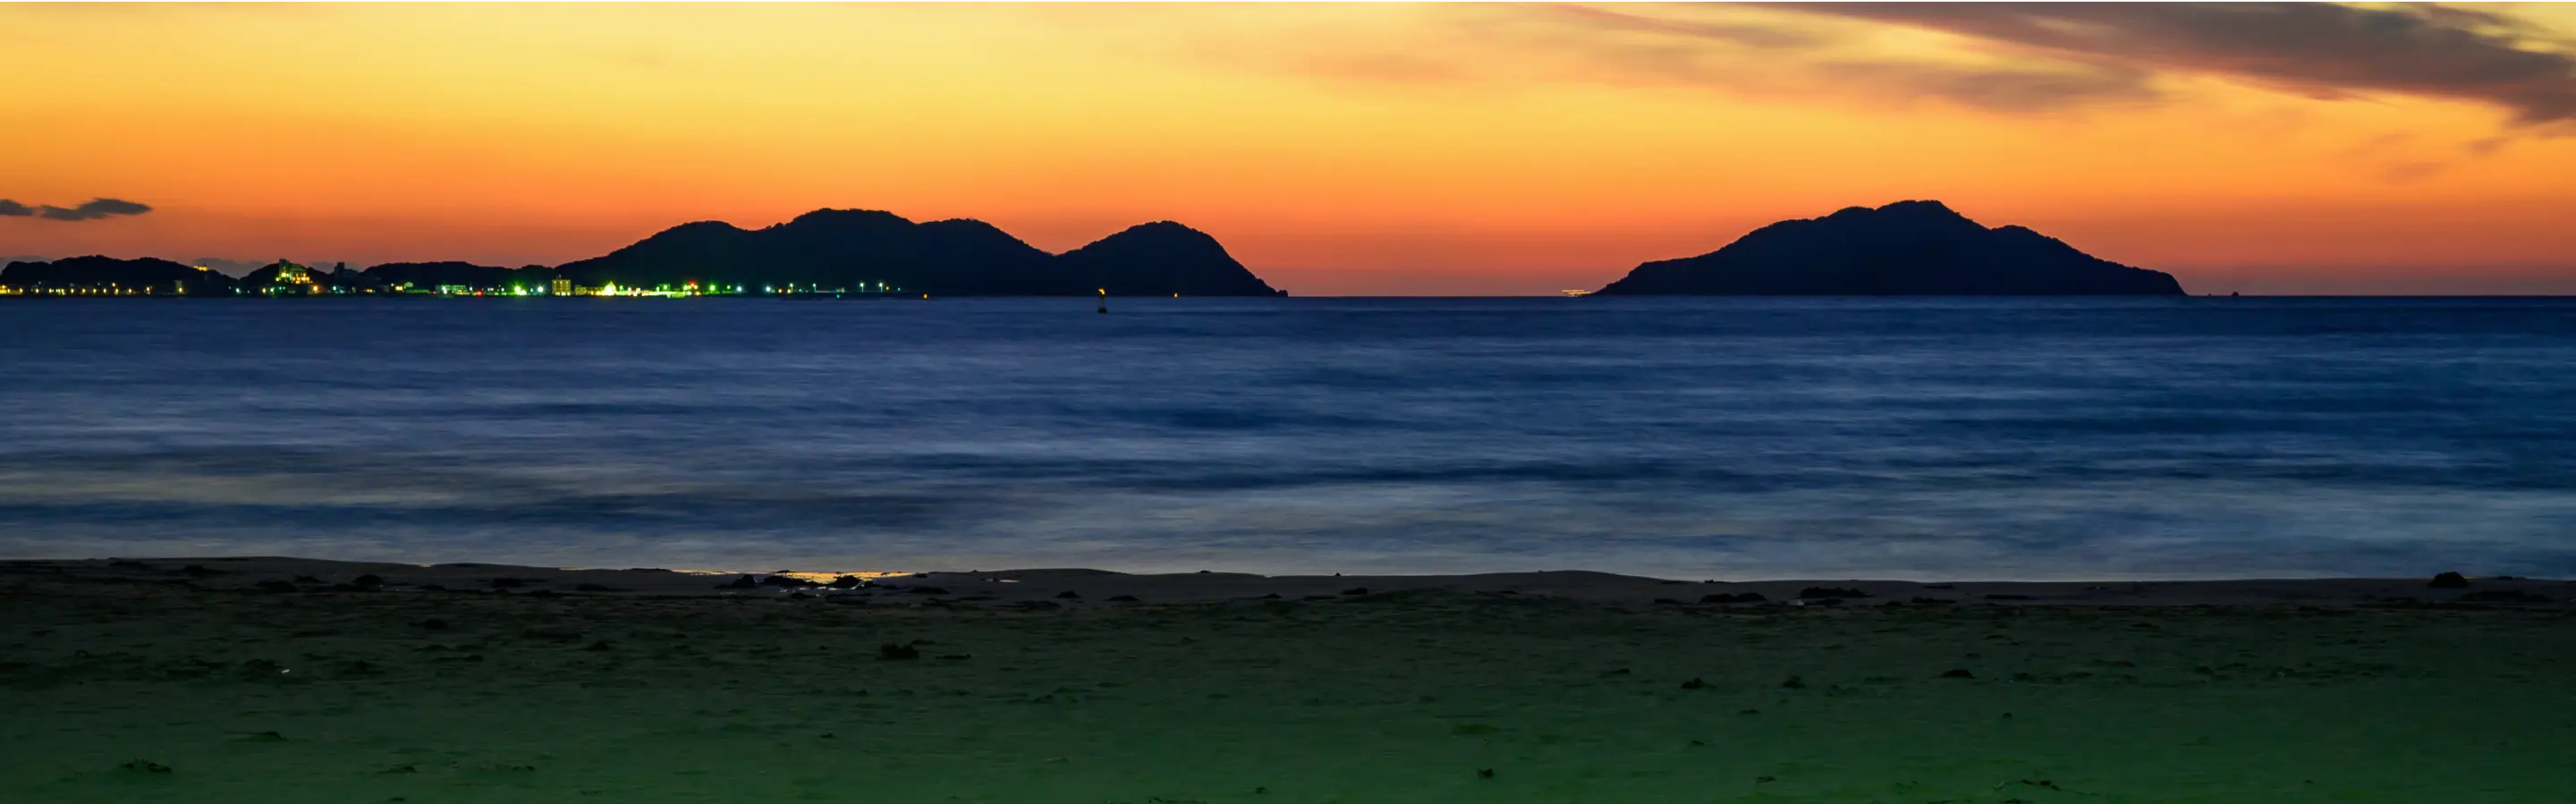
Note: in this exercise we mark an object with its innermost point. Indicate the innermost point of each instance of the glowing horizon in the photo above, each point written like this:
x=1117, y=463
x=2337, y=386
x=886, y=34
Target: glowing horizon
x=1334, y=149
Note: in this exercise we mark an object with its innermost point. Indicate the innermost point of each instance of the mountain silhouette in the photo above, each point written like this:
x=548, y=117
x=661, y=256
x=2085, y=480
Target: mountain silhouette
x=1908, y=248
x=1162, y=258
x=94, y=272
x=871, y=250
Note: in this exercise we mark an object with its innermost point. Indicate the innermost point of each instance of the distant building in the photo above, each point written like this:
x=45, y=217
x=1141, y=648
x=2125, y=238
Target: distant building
x=562, y=287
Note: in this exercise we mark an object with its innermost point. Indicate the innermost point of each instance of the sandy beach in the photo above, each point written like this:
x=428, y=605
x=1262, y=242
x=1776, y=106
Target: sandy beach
x=217, y=680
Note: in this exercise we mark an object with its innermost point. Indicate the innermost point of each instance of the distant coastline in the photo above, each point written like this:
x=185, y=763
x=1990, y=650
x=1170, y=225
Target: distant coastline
x=825, y=253
x=1907, y=248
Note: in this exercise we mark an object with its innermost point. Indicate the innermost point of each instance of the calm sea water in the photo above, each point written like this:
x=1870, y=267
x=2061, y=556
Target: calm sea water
x=1719, y=438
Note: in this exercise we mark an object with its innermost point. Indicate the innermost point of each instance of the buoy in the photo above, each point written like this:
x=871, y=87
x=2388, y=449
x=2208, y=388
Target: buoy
x=1104, y=301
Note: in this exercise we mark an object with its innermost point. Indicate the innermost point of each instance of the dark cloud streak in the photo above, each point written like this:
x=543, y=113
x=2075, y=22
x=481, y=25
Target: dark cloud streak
x=2318, y=49
x=95, y=209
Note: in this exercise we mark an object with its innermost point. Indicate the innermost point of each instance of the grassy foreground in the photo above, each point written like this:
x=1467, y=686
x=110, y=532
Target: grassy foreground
x=117, y=692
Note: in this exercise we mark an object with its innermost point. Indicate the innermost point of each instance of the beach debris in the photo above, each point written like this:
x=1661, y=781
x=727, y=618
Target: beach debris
x=1764, y=779
x=2449, y=580
x=1957, y=672
x=367, y=581
x=261, y=737
x=1068, y=595
x=1829, y=593
x=1617, y=672
x=402, y=768
x=307, y=579
x=144, y=766
x=1740, y=597
x=1484, y=773
x=1694, y=684
x=895, y=652
x=1794, y=683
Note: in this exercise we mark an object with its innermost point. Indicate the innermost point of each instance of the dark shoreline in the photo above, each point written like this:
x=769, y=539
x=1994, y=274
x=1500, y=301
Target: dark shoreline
x=1088, y=587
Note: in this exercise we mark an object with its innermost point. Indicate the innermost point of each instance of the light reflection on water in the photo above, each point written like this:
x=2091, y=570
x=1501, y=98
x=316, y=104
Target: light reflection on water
x=1732, y=438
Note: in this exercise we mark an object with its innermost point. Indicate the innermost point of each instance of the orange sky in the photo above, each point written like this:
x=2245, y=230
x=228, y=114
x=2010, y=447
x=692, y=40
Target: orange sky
x=1335, y=149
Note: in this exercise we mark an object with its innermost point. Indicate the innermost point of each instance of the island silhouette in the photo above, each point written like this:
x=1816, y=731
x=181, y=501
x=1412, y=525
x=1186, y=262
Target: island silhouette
x=1908, y=248
x=879, y=251
x=827, y=251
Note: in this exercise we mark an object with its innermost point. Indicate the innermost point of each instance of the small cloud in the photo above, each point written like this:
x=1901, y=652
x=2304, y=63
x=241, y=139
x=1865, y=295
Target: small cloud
x=13, y=209
x=2404, y=172
x=95, y=209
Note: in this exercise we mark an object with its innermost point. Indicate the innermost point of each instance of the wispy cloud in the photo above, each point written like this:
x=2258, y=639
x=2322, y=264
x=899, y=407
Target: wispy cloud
x=2320, y=50
x=2006, y=58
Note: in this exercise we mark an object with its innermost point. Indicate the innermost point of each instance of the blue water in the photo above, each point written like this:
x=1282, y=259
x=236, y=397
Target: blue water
x=1695, y=438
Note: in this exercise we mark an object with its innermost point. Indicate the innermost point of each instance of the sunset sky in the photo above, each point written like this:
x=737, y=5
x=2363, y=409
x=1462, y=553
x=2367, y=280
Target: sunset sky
x=1335, y=149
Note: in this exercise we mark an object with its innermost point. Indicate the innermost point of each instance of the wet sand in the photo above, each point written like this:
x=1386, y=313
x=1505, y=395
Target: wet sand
x=288, y=680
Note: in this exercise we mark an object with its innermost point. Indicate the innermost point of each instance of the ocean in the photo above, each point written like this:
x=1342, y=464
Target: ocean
x=1734, y=438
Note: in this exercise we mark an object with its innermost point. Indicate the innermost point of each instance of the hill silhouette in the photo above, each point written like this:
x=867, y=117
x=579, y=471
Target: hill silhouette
x=1162, y=258
x=1908, y=248
x=872, y=250
x=433, y=275
x=97, y=272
